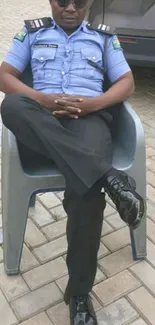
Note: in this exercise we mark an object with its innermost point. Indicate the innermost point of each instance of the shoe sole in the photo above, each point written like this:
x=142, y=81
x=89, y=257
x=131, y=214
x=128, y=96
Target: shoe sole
x=138, y=219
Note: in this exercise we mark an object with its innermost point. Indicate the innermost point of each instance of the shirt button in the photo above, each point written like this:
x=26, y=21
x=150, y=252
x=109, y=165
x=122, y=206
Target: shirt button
x=42, y=59
x=94, y=58
x=62, y=73
x=67, y=51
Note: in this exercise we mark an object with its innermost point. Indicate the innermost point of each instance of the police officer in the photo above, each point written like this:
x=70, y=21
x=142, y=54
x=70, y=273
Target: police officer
x=65, y=118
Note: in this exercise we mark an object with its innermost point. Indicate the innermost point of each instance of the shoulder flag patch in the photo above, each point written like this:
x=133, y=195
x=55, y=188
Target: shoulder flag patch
x=20, y=36
x=116, y=44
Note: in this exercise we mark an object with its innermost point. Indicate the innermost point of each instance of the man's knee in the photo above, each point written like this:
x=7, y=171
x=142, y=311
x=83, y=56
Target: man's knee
x=11, y=102
x=11, y=106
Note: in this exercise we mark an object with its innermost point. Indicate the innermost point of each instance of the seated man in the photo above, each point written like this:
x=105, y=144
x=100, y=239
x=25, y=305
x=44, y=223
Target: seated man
x=65, y=118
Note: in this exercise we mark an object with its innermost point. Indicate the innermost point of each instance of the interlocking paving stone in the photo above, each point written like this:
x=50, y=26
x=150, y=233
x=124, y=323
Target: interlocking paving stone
x=60, y=195
x=12, y=286
x=151, y=210
x=149, y=131
x=150, y=122
x=144, y=118
x=150, y=164
x=118, y=313
x=1, y=254
x=144, y=302
x=117, y=239
x=96, y=304
x=58, y=212
x=151, y=230
x=28, y=260
x=109, y=210
x=33, y=236
x=100, y=276
x=146, y=274
x=103, y=251
x=45, y=273
x=106, y=229
x=59, y=314
x=115, y=287
x=117, y=261
x=151, y=192
x=40, y=215
x=36, y=301
x=150, y=151
x=150, y=252
x=55, y=230
x=151, y=142
x=7, y=317
x=115, y=221
x=139, y=321
x=40, y=319
x=50, y=200
x=1, y=236
x=51, y=250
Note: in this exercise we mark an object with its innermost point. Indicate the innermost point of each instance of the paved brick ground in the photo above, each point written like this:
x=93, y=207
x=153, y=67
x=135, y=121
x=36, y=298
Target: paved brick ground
x=124, y=293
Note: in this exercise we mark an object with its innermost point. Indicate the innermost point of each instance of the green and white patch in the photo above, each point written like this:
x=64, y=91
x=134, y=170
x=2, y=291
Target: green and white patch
x=116, y=44
x=20, y=36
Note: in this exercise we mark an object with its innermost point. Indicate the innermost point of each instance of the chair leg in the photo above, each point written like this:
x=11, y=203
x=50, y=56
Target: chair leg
x=14, y=211
x=138, y=241
x=32, y=201
x=138, y=172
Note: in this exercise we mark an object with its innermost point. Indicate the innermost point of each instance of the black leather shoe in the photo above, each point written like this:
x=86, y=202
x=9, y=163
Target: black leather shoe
x=129, y=204
x=82, y=311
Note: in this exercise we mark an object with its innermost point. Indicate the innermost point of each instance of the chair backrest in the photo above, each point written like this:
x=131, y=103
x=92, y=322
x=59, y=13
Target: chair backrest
x=29, y=158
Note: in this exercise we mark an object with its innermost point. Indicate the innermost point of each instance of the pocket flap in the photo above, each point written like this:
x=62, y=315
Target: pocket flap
x=44, y=55
x=87, y=54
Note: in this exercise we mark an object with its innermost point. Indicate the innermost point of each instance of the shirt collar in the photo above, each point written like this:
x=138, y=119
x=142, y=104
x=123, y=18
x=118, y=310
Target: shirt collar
x=83, y=27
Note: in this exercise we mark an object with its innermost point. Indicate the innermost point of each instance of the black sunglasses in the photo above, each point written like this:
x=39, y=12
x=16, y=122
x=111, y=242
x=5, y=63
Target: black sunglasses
x=76, y=3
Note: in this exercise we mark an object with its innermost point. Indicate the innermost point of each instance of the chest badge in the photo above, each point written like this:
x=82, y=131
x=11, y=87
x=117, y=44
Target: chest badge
x=45, y=46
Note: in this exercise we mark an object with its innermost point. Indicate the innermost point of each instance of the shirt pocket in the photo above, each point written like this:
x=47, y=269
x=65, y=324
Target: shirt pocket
x=95, y=57
x=42, y=63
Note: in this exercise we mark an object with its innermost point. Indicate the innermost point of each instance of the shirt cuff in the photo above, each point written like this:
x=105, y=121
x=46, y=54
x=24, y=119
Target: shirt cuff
x=118, y=71
x=15, y=62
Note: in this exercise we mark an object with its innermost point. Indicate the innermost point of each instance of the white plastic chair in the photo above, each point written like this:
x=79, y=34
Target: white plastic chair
x=21, y=181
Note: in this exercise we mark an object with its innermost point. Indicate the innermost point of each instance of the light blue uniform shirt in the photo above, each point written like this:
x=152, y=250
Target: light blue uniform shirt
x=59, y=62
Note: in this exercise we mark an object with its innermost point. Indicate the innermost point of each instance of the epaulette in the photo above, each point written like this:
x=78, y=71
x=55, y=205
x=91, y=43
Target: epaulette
x=101, y=28
x=34, y=25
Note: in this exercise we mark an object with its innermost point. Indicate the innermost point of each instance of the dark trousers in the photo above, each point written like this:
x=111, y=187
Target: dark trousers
x=82, y=150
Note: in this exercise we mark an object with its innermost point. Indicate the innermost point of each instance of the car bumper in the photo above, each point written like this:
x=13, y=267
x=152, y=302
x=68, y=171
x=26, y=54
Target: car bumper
x=138, y=50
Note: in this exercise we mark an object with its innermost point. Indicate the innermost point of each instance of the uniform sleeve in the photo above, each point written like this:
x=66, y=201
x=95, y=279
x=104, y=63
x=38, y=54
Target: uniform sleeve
x=19, y=53
x=117, y=65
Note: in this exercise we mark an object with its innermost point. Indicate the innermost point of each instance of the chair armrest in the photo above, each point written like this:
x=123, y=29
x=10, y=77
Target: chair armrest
x=138, y=168
x=133, y=121
x=10, y=153
x=128, y=137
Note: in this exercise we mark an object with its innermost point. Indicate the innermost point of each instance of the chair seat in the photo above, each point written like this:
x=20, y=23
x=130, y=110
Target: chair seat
x=121, y=159
x=42, y=171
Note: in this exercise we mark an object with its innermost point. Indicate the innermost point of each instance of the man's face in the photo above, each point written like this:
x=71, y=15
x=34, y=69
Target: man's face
x=71, y=14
